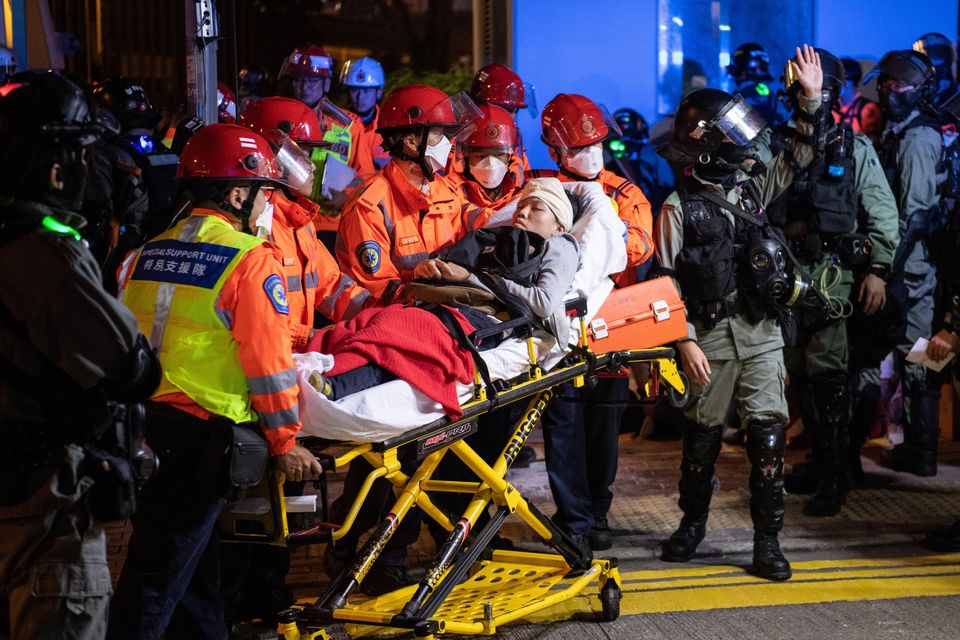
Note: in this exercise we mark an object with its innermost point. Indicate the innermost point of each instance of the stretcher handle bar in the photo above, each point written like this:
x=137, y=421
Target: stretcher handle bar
x=474, y=409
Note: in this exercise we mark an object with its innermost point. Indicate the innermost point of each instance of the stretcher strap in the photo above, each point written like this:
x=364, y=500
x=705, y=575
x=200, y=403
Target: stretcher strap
x=456, y=330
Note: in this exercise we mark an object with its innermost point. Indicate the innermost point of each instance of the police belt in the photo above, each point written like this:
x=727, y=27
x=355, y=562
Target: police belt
x=711, y=313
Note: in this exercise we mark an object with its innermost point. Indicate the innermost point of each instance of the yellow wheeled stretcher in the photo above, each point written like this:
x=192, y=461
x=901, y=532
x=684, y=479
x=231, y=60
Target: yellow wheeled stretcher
x=466, y=589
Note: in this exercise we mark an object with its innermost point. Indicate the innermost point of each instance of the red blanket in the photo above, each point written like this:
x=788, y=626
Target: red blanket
x=410, y=343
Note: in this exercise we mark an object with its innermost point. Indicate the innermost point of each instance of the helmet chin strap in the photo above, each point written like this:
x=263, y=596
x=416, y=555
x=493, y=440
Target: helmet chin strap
x=245, y=209
x=428, y=173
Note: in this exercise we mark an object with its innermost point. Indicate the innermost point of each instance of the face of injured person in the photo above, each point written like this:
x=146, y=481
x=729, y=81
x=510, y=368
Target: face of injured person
x=535, y=216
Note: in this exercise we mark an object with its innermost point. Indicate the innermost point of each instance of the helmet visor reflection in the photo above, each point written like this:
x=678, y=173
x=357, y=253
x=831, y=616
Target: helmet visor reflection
x=739, y=122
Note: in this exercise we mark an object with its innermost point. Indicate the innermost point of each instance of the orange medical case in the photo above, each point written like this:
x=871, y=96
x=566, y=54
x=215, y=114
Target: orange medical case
x=644, y=315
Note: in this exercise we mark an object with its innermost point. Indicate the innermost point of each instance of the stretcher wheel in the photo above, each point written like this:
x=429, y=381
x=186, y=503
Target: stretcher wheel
x=610, y=595
x=677, y=399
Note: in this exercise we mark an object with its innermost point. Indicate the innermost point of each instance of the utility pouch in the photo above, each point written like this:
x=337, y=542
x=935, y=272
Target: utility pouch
x=854, y=251
x=235, y=460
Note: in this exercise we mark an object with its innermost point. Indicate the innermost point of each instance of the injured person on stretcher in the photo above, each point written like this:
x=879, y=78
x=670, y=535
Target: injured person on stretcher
x=420, y=357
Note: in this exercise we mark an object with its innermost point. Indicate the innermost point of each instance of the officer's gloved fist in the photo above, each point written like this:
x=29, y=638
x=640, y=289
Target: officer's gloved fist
x=299, y=464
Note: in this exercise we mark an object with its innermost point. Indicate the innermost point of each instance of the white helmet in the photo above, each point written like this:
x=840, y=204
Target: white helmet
x=362, y=72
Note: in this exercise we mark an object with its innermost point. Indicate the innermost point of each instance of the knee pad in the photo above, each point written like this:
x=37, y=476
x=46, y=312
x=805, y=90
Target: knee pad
x=765, y=443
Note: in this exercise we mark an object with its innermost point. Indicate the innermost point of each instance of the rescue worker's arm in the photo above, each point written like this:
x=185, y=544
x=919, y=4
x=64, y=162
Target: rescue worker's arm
x=634, y=210
x=72, y=320
x=668, y=240
x=364, y=247
x=254, y=303
x=338, y=296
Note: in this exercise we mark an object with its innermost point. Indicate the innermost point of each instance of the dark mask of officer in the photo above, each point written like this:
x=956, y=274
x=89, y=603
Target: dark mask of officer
x=897, y=106
x=767, y=264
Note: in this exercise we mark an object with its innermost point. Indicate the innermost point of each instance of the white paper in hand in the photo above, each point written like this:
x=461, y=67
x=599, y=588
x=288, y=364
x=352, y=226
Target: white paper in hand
x=918, y=355
x=337, y=176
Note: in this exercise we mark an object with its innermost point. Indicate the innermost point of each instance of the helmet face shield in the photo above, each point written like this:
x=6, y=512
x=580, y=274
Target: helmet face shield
x=293, y=163
x=465, y=115
x=334, y=112
x=739, y=122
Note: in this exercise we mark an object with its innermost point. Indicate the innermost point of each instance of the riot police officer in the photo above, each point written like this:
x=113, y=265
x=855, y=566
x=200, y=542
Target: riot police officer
x=750, y=69
x=712, y=236
x=911, y=154
x=943, y=55
x=67, y=349
x=132, y=182
x=818, y=215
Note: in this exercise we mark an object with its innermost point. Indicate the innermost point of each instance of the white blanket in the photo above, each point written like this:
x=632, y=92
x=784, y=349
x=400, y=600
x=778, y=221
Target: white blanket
x=393, y=408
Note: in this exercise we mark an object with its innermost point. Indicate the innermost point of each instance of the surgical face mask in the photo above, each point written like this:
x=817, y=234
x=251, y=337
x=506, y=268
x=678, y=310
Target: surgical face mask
x=438, y=153
x=586, y=162
x=263, y=227
x=489, y=172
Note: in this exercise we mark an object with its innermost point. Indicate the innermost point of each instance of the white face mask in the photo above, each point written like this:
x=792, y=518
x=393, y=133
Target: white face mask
x=263, y=227
x=586, y=163
x=489, y=172
x=438, y=153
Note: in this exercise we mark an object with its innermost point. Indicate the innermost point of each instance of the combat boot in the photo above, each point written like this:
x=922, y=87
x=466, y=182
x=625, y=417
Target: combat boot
x=918, y=453
x=768, y=560
x=683, y=543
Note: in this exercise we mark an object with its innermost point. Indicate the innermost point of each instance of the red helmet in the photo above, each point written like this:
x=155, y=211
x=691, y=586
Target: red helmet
x=310, y=60
x=226, y=104
x=571, y=120
x=228, y=151
x=290, y=116
x=500, y=85
x=496, y=130
x=416, y=105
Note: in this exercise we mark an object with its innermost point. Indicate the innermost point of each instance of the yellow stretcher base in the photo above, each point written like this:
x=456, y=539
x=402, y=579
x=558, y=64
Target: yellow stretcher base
x=503, y=590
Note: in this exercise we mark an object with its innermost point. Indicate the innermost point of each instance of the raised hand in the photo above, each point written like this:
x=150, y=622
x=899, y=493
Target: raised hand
x=806, y=66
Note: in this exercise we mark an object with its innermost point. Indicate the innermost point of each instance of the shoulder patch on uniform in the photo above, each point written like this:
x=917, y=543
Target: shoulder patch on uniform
x=368, y=255
x=277, y=294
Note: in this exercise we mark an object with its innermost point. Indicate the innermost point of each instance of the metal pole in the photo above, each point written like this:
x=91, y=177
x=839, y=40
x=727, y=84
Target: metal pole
x=203, y=31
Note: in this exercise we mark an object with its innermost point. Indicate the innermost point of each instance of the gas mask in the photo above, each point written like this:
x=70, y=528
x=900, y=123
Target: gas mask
x=489, y=172
x=438, y=154
x=587, y=162
x=896, y=106
x=767, y=267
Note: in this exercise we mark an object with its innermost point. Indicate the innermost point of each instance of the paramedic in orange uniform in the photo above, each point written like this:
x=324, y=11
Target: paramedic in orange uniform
x=313, y=278
x=574, y=127
x=581, y=445
x=211, y=298
x=490, y=177
x=397, y=218
x=499, y=85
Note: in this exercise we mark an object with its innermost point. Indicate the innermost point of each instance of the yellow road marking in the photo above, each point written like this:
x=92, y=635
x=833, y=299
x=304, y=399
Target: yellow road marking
x=725, y=587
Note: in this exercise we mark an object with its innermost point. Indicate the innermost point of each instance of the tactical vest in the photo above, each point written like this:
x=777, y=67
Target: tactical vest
x=707, y=266
x=823, y=198
x=173, y=290
x=157, y=180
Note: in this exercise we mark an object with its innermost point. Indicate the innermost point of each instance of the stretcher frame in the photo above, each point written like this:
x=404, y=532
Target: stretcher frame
x=461, y=561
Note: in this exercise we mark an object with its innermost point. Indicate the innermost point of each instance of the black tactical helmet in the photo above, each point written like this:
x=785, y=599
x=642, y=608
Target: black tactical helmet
x=941, y=51
x=852, y=70
x=49, y=119
x=910, y=69
x=632, y=124
x=750, y=62
x=705, y=119
x=834, y=75
x=127, y=101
